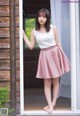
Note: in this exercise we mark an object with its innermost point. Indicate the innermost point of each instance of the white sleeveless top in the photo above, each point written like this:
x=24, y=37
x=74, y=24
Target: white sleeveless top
x=46, y=39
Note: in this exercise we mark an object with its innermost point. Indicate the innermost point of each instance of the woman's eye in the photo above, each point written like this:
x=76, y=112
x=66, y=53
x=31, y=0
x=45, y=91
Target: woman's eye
x=42, y=16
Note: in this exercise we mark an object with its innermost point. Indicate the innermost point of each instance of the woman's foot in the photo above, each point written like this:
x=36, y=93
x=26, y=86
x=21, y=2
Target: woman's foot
x=46, y=108
x=50, y=109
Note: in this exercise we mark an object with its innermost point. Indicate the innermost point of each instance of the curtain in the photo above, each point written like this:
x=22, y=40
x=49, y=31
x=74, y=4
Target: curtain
x=56, y=14
x=61, y=19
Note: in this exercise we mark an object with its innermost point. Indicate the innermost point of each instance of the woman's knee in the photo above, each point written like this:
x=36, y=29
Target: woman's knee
x=56, y=81
x=47, y=82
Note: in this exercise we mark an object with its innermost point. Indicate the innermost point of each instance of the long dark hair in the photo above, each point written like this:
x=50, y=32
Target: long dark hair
x=45, y=12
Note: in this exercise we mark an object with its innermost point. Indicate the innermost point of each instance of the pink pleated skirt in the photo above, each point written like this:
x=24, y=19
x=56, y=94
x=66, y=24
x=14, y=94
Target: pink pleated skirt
x=52, y=63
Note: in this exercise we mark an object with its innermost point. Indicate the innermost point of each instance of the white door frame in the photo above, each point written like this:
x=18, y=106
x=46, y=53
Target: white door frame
x=73, y=110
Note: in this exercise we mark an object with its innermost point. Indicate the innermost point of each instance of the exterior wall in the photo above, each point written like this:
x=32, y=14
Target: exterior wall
x=4, y=43
x=9, y=36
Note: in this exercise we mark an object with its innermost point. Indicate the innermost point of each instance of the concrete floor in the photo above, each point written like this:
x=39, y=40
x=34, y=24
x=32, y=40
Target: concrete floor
x=35, y=100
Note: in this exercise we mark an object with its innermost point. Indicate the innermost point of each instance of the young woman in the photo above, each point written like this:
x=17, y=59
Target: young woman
x=52, y=60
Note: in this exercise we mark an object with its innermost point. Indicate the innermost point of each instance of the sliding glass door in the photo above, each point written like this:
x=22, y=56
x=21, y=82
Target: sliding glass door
x=78, y=54
x=66, y=17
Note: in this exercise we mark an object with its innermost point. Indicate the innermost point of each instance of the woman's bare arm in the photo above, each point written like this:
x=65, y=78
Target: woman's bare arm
x=32, y=41
x=56, y=37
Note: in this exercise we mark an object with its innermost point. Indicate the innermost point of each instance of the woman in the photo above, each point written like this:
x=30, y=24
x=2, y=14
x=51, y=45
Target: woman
x=52, y=60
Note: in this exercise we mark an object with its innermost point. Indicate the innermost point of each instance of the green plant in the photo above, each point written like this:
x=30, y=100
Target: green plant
x=4, y=96
x=4, y=99
x=29, y=25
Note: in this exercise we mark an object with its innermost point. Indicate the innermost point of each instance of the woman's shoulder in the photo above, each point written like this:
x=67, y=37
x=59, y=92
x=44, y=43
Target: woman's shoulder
x=33, y=31
x=52, y=26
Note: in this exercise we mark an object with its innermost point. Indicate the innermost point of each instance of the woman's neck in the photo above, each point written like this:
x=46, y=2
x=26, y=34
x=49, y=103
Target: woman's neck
x=42, y=27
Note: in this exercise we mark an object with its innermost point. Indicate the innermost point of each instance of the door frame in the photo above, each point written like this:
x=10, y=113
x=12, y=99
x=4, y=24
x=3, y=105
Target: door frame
x=74, y=110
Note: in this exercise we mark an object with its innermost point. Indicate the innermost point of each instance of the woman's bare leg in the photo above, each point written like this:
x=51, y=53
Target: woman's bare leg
x=55, y=91
x=55, y=83
x=47, y=91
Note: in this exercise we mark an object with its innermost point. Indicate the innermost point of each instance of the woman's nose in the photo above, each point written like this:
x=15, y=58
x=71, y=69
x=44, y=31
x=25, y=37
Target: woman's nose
x=41, y=17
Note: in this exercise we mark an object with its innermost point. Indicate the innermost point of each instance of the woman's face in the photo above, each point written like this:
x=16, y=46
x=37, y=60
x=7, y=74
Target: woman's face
x=42, y=19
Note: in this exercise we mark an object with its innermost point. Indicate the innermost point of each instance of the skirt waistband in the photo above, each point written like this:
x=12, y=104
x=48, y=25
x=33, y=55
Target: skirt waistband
x=48, y=48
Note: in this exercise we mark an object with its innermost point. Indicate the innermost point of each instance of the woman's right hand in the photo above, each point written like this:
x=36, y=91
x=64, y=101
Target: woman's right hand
x=23, y=32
